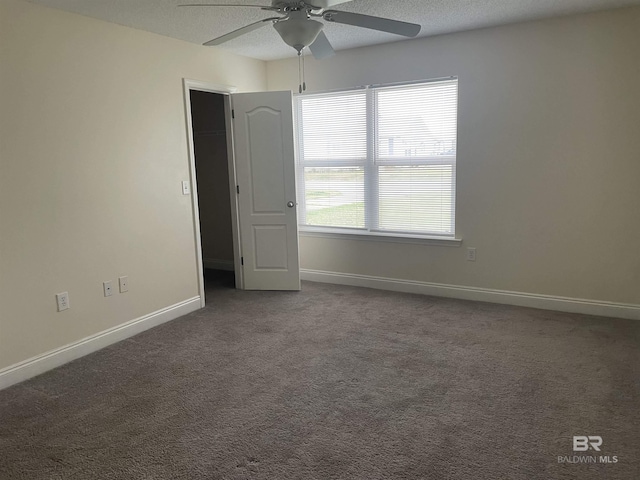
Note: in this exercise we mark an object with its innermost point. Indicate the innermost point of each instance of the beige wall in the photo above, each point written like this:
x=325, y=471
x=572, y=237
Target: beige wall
x=548, y=156
x=93, y=149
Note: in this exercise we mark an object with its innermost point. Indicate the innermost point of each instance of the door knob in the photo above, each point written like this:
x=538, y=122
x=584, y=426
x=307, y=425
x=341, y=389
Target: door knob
x=291, y=204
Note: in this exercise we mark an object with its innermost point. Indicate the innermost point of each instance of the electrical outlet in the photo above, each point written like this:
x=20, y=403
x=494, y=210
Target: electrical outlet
x=63, y=301
x=471, y=254
x=108, y=289
x=124, y=284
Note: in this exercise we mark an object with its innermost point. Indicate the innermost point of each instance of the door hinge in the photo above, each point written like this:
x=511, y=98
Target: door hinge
x=233, y=113
x=241, y=260
x=238, y=189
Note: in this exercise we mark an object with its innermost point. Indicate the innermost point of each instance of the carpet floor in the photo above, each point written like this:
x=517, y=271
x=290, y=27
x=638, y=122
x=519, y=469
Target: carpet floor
x=337, y=382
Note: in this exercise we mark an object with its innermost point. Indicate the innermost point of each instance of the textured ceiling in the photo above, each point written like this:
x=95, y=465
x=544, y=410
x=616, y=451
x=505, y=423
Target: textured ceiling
x=200, y=24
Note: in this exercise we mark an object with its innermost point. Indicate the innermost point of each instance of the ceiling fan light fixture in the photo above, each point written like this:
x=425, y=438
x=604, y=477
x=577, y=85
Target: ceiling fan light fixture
x=297, y=29
x=298, y=33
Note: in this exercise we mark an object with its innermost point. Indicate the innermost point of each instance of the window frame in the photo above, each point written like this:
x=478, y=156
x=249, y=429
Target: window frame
x=370, y=165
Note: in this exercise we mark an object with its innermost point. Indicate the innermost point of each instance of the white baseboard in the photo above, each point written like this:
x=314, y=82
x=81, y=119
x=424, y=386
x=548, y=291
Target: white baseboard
x=546, y=302
x=226, y=265
x=50, y=360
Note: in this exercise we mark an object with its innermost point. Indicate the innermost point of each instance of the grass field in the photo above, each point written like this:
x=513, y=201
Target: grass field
x=403, y=214
x=349, y=215
x=412, y=198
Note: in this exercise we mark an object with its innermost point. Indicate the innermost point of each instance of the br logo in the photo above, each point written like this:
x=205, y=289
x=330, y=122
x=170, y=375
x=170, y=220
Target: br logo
x=582, y=444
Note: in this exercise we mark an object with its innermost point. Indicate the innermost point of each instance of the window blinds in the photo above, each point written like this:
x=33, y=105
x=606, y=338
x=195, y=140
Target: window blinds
x=380, y=159
x=334, y=127
x=332, y=150
x=415, y=135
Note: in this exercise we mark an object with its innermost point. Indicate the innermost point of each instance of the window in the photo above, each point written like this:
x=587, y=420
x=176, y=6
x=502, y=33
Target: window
x=379, y=160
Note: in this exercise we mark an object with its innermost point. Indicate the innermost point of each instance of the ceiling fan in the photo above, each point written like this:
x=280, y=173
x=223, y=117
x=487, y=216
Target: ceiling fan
x=298, y=29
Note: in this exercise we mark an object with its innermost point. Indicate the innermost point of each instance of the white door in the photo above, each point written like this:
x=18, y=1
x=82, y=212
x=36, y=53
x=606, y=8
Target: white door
x=265, y=174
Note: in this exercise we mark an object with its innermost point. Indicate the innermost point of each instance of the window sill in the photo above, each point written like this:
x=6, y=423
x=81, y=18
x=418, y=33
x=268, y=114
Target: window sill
x=381, y=237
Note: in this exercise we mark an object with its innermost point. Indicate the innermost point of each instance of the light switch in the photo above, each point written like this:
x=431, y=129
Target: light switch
x=186, y=189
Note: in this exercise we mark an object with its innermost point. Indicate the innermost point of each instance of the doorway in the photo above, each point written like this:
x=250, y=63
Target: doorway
x=211, y=158
x=260, y=164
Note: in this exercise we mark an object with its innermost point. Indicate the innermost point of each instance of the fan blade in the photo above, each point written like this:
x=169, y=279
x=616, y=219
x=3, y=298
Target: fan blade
x=241, y=31
x=263, y=7
x=325, y=3
x=321, y=48
x=375, y=23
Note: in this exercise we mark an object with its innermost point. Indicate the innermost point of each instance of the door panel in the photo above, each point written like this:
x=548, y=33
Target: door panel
x=271, y=247
x=264, y=129
x=265, y=172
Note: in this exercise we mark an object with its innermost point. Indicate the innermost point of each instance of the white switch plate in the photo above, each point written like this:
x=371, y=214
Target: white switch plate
x=108, y=289
x=471, y=254
x=124, y=284
x=186, y=189
x=63, y=301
